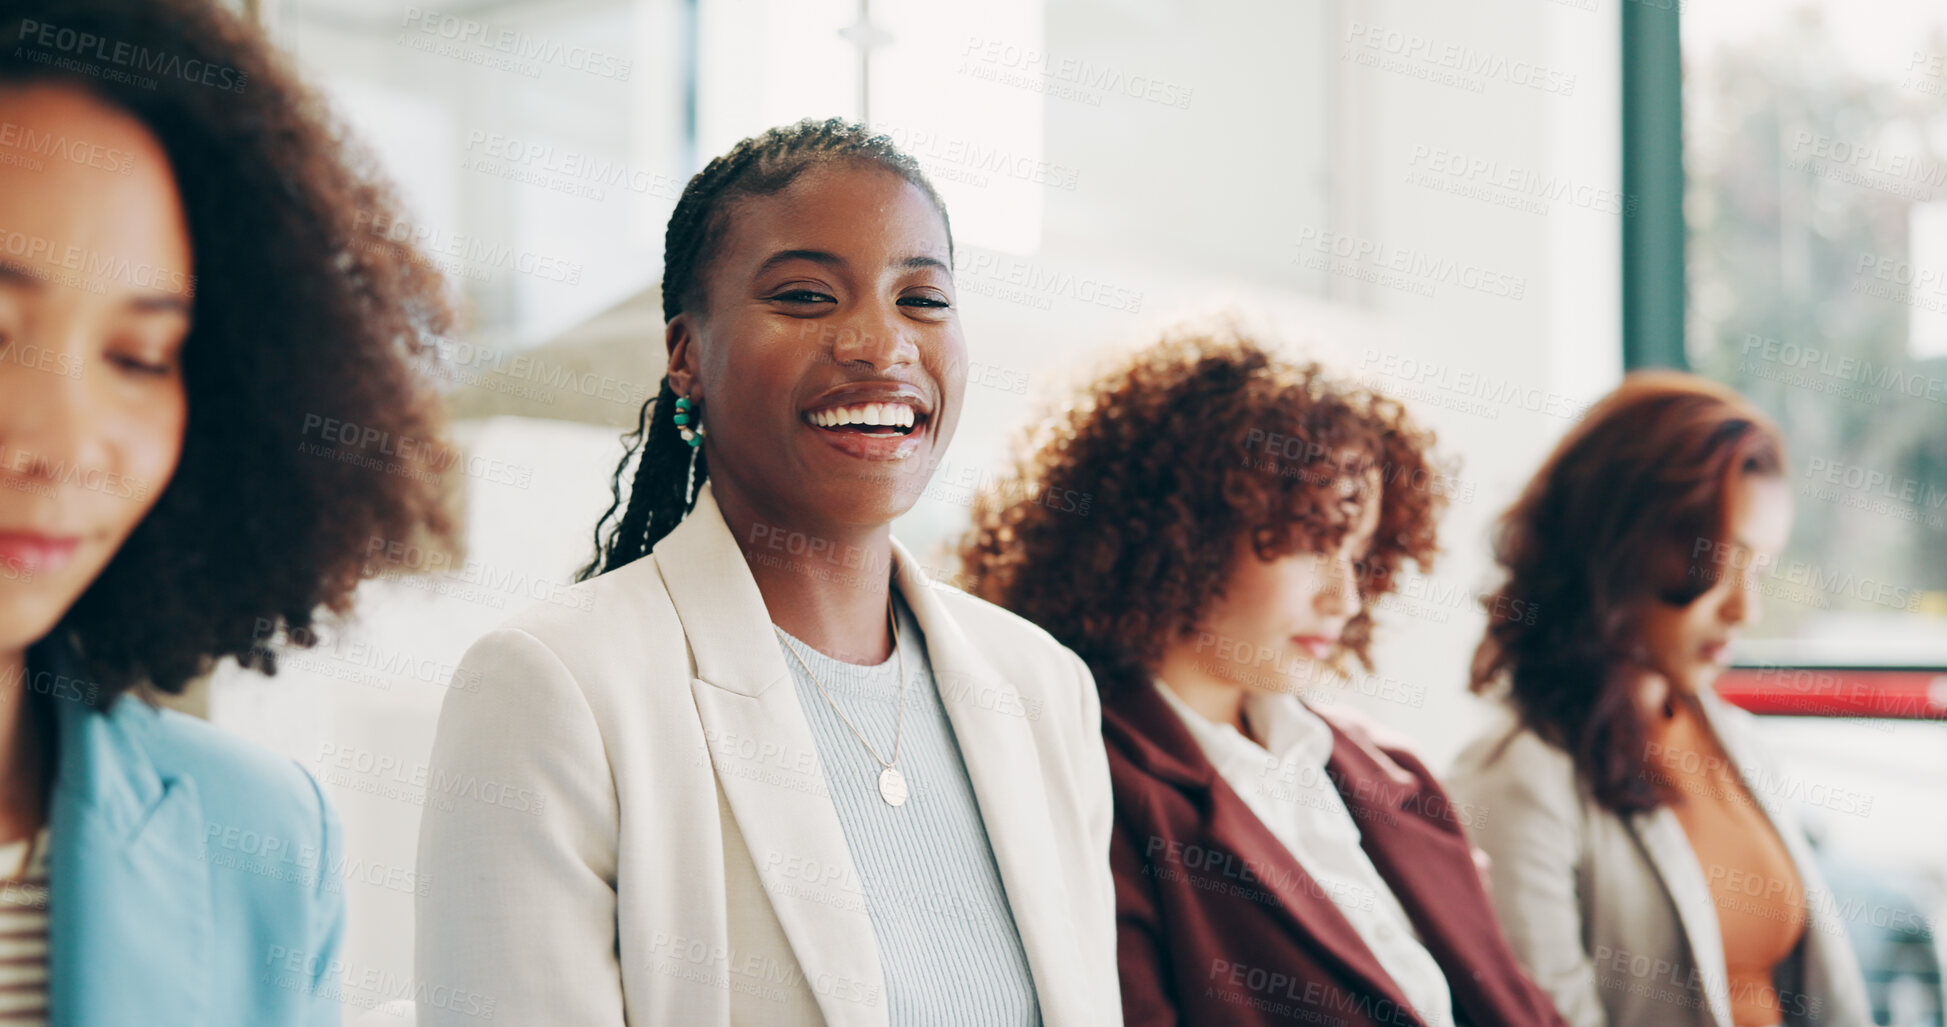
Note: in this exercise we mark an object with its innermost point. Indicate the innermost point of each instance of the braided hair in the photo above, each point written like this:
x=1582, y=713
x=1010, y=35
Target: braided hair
x=668, y=471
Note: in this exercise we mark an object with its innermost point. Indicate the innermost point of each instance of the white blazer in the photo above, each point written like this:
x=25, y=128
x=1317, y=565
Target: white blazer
x=628, y=822
x=1613, y=916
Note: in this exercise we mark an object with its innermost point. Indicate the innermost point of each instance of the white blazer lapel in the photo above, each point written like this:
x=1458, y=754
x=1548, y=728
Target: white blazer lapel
x=1668, y=847
x=1826, y=940
x=1004, y=764
x=767, y=764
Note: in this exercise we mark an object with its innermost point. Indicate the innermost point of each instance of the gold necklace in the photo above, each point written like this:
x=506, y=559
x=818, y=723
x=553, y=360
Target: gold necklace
x=892, y=784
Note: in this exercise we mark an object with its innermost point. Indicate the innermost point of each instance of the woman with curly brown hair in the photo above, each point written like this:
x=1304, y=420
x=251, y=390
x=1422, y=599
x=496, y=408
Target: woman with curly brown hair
x=1646, y=873
x=181, y=307
x=1273, y=863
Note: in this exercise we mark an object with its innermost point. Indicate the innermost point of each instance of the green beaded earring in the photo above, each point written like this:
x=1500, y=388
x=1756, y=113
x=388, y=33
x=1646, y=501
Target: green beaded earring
x=693, y=436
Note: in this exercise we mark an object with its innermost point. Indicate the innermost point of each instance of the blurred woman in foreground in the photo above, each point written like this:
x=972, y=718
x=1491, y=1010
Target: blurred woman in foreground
x=183, y=308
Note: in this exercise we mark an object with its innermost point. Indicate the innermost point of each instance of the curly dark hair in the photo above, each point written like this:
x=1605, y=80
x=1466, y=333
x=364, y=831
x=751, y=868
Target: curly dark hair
x=668, y=472
x=1116, y=528
x=297, y=324
x=1609, y=525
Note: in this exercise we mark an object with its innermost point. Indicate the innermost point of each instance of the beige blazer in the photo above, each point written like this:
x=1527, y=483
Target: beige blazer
x=1613, y=916
x=629, y=824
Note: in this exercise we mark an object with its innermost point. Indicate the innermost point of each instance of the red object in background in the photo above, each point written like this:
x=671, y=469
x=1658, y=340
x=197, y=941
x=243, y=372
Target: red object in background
x=1837, y=692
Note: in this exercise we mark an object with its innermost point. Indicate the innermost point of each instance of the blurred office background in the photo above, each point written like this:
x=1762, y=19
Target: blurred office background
x=1491, y=210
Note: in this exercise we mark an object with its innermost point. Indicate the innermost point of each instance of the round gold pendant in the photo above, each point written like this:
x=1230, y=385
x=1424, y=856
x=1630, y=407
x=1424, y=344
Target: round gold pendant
x=892, y=786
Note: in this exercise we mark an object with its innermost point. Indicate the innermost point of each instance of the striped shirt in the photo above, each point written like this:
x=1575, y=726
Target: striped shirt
x=948, y=946
x=23, y=932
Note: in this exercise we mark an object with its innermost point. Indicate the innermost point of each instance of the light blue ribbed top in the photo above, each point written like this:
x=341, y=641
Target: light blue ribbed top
x=947, y=942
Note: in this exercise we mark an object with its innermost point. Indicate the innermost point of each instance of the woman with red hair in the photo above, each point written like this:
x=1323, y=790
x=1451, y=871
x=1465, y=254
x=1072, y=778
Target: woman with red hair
x=1644, y=870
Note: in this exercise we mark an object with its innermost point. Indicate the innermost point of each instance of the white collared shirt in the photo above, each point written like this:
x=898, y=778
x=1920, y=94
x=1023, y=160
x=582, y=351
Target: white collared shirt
x=1285, y=784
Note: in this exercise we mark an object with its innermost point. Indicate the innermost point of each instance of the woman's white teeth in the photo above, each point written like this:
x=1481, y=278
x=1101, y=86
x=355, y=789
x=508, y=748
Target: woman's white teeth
x=886, y=415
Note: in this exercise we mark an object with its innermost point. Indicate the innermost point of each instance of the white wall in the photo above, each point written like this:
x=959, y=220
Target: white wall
x=1558, y=346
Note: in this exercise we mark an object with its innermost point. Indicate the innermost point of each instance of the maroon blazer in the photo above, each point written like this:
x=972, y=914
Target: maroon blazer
x=1218, y=924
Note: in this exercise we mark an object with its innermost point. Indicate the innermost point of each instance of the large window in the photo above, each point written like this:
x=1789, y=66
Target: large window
x=1814, y=199
x=1815, y=147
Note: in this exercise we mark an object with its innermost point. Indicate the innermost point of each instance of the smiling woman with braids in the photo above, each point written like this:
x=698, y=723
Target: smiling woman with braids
x=770, y=774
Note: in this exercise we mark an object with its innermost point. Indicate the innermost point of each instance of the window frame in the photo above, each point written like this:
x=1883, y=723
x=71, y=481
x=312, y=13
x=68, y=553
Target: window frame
x=1653, y=241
